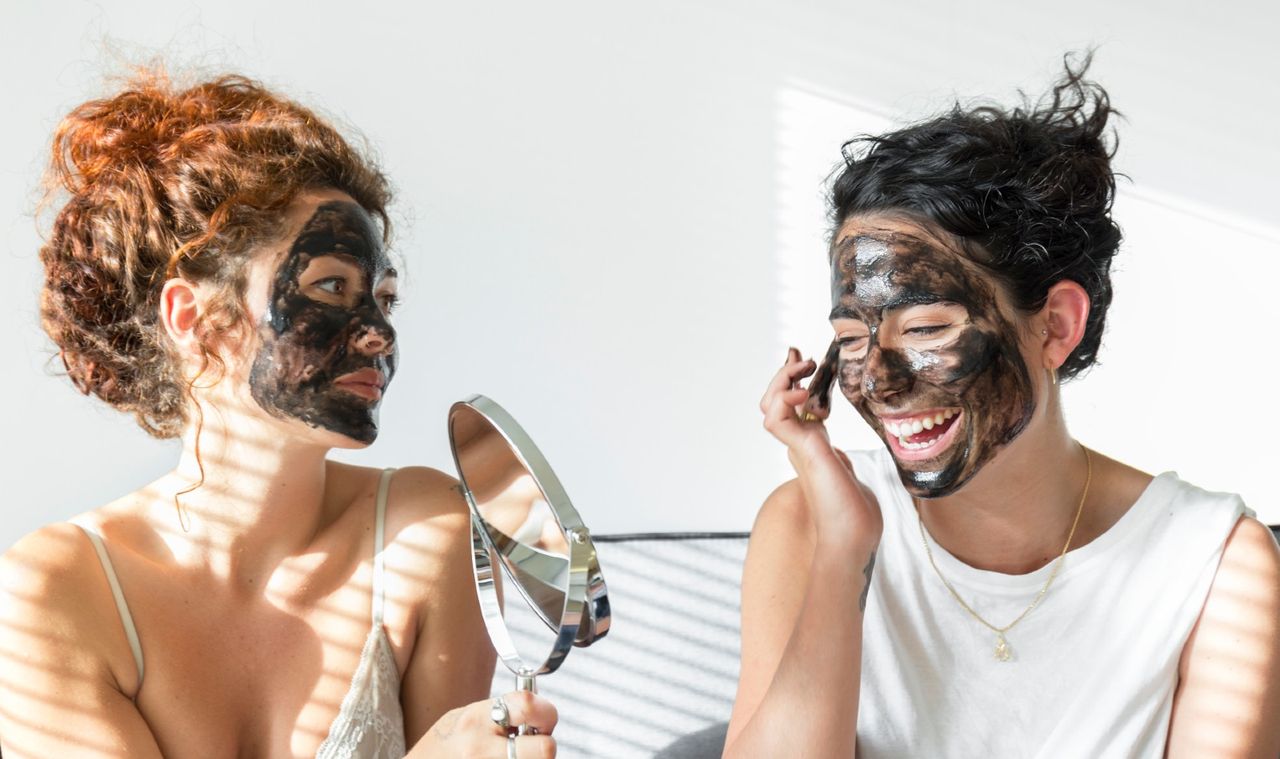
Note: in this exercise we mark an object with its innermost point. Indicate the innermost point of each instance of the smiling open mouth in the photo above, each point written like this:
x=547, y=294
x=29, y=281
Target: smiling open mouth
x=922, y=436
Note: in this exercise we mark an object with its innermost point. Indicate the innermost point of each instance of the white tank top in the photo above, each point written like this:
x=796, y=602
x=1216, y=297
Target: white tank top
x=1094, y=666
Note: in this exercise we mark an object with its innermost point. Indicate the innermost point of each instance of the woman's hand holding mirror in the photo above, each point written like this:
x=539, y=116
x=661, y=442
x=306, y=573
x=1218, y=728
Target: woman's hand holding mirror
x=475, y=730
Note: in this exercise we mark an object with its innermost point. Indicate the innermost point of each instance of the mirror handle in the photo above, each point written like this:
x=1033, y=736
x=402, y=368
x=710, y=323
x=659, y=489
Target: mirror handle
x=526, y=683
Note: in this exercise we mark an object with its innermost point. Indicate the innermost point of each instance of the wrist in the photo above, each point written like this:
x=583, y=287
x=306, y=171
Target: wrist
x=815, y=455
x=854, y=541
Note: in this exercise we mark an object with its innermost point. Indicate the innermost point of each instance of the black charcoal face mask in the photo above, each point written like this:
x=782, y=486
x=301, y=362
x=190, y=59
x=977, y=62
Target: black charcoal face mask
x=328, y=349
x=928, y=360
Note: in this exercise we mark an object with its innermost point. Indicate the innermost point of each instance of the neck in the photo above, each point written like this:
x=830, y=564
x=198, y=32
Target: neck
x=253, y=497
x=1014, y=516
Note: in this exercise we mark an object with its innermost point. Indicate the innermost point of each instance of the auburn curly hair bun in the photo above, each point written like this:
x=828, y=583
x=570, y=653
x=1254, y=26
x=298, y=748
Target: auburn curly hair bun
x=159, y=181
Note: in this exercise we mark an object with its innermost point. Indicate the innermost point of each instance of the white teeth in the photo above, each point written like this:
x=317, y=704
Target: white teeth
x=918, y=446
x=905, y=428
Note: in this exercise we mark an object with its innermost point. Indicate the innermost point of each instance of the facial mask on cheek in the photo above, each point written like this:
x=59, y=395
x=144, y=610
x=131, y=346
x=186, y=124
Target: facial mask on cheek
x=970, y=395
x=307, y=344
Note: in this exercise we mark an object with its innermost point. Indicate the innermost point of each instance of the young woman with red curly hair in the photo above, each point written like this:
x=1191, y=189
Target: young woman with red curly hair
x=217, y=269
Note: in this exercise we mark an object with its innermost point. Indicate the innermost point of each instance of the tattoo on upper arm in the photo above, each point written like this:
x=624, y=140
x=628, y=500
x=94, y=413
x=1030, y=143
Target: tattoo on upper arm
x=866, y=587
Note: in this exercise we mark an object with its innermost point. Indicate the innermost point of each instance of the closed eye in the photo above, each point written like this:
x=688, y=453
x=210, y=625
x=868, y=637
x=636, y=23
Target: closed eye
x=852, y=346
x=929, y=329
x=851, y=335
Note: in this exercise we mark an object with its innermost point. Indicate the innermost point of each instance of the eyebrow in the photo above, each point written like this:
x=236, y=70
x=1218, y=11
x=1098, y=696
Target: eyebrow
x=906, y=300
x=353, y=260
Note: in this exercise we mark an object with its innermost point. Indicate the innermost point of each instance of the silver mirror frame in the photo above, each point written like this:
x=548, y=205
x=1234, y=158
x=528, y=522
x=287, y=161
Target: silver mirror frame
x=584, y=616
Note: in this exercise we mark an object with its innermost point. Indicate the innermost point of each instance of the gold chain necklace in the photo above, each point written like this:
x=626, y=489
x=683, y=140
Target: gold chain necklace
x=1002, y=651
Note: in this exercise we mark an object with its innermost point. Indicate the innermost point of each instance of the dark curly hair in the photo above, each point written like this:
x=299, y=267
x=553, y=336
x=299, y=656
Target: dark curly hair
x=1032, y=187
x=159, y=181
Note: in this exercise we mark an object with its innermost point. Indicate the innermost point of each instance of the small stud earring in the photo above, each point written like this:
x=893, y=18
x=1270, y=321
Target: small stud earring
x=1044, y=332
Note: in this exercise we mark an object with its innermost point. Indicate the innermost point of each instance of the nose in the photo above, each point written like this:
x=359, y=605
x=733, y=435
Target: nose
x=885, y=374
x=373, y=339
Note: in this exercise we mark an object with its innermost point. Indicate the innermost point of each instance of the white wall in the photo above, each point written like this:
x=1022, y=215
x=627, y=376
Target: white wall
x=612, y=220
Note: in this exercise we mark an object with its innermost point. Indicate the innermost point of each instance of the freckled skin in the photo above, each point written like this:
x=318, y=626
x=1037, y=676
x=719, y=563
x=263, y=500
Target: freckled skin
x=306, y=344
x=979, y=370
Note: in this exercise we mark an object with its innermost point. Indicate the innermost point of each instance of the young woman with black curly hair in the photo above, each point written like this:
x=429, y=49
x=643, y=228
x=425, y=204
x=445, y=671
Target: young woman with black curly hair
x=217, y=269
x=986, y=585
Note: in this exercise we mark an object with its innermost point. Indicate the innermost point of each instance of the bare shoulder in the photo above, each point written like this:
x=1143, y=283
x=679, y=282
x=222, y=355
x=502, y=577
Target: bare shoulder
x=428, y=531
x=53, y=596
x=423, y=493
x=1248, y=573
x=417, y=495
x=1250, y=569
x=1229, y=674
x=66, y=676
x=1253, y=540
x=52, y=566
x=427, y=511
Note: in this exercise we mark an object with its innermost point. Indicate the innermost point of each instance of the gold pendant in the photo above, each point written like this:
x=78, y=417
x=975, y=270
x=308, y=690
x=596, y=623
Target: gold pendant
x=1003, y=652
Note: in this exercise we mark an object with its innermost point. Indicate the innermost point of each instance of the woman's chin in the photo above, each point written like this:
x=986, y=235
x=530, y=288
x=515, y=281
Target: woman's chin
x=346, y=439
x=319, y=433
x=936, y=469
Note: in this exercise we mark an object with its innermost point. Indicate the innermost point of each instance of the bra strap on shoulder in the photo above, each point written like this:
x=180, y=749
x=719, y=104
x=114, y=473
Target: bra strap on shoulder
x=379, y=533
x=130, y=631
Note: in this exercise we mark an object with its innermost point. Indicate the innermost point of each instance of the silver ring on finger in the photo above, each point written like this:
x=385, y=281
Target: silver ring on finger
x=500, y=714
x=511, y=747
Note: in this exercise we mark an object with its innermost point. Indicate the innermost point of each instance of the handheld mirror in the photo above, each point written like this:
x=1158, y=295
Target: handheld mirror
x=525, y=534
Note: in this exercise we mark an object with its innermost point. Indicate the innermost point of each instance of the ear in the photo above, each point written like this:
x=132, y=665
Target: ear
x=179, y=312
x=1062, y=321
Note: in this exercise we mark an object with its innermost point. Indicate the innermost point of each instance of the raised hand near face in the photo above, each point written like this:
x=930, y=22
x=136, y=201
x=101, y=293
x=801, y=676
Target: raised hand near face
x=794, y=414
